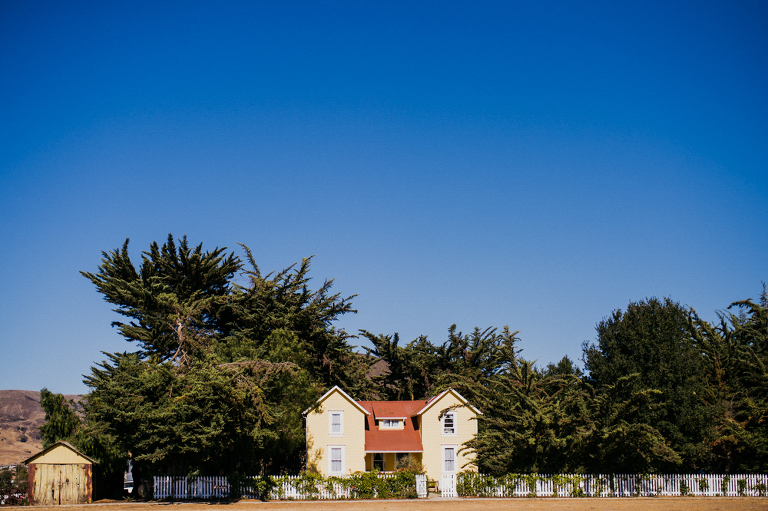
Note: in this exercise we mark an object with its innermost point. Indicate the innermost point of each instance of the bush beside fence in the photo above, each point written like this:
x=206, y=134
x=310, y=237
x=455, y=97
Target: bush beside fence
x=366, y=485
x=471, y=484
x=465, y=484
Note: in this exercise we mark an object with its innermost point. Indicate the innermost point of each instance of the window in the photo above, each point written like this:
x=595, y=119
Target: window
x=449, y=423
x=378, y=462
x=449, y=459
x=336, y=459
x=336, y=427
x=389, y=423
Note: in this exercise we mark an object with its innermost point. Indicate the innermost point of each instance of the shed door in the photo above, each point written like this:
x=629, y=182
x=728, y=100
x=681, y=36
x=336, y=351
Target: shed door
x=60, y=484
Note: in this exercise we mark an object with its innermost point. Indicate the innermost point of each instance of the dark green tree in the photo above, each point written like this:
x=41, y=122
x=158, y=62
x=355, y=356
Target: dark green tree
x=412, y=370
x=565, y=367
x=735, y=354
x=174, y=299
x=278, y=317
x=61, y=420
x=210, y=418
x=421, y=368
x=531, y=422
x=13, y=486
x=223, y=369
x=615, y=439
x=6, y=482
x=654, y=338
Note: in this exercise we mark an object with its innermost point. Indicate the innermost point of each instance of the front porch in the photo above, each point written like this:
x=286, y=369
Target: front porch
x=390, y=461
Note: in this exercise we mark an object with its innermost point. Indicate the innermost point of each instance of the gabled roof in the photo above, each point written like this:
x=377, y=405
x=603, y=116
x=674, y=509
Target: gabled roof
x=407, y=439
x=393, y=409
x=58, y=444
x=344, y=394
x=438, y=397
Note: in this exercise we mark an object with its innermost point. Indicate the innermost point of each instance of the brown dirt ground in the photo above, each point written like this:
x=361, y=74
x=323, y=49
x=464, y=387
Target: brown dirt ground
x=543, y=504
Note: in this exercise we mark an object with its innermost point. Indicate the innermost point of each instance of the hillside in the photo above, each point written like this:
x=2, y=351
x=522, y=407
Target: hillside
x=20, y=418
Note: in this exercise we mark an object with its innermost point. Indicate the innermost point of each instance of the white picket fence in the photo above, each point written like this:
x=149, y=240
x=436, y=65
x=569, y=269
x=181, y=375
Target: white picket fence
x=191, y=487
x=620, y=485
x=218, y=487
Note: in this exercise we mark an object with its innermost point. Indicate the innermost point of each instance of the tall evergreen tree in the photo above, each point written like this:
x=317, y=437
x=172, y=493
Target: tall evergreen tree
x=223, y=370
x=615, y=438
x=654, y=339
x=531, y=422
x=735, y=354
x=278, y=317
x=421, y=368
x=174, y=299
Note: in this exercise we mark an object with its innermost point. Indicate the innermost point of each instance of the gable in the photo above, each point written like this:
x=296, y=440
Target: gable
x=60, y=453
x=337, y=399
x=448, y=398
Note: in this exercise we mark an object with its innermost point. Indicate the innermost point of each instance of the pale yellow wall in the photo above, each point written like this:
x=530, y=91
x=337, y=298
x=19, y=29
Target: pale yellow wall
x=433, y=440
x=61, y=455
x=319, y=437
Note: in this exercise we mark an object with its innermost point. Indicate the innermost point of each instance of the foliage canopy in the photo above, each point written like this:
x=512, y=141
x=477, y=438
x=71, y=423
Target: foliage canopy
x=226, y=358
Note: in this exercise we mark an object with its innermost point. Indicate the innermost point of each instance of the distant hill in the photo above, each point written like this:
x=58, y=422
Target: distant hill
x=20, y=417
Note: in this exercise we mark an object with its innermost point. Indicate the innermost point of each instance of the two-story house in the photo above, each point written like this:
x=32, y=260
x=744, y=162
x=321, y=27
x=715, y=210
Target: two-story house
x=344, y=435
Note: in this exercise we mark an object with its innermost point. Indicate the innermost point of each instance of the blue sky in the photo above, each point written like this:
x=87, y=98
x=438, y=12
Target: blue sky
x=531, y=164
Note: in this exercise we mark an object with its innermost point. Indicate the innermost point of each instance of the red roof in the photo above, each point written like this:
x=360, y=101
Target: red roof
x=392, y=440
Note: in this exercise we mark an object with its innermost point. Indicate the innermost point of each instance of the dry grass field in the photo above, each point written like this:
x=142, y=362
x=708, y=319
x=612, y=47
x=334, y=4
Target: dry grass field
x=629, y=504
x=20, y=418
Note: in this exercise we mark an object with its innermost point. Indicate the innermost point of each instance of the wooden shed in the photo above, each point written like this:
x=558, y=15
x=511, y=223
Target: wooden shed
x=60, y=475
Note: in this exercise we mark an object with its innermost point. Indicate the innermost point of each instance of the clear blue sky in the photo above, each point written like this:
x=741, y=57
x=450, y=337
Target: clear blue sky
x=532, y=164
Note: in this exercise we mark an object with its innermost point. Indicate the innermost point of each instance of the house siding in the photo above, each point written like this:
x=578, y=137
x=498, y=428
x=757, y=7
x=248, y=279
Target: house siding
x=319, y=436
x=433, y=440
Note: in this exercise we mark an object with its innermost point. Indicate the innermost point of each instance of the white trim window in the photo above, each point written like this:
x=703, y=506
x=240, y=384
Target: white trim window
x=335, y=459
x=449, y=459
x=390, y=424
x=449, y=424
x=336, y=423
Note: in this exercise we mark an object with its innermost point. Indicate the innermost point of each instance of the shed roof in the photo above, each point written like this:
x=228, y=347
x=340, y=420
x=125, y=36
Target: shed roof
x=59, y=444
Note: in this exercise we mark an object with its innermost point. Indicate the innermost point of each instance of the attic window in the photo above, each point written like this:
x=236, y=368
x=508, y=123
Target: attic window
x=390, y=423
x=449, y=423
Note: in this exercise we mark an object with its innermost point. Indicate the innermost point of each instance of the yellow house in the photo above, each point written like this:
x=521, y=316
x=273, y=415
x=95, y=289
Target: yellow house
x=345, y=436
